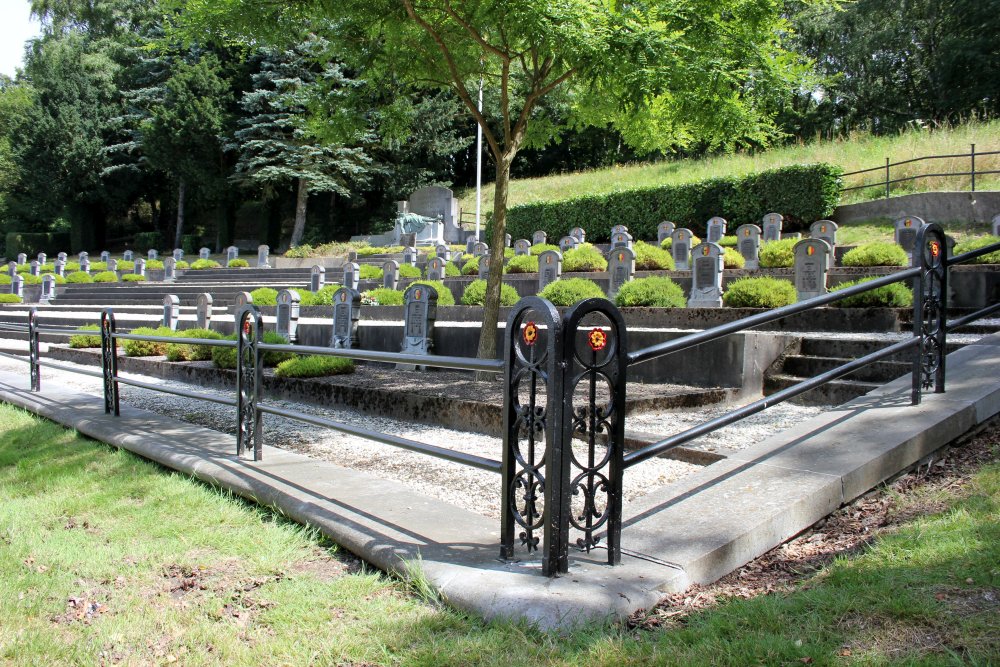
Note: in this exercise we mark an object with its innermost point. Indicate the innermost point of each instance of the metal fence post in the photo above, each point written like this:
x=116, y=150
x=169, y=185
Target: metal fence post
x=930, y=310
x=887, y=178
x=972, y=158
x=33, y=352
x=109, y=362
x=249, y=380
x=533, y=497
x=595, y=358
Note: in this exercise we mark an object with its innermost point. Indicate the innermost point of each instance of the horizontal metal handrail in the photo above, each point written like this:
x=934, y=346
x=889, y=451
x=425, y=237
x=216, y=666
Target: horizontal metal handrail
x=919, y=159
x=678, y=439
x=967, y=257
x=15, y=357
x=972, y=317
x=460, y=363
x=883, y=183
x=396, y=441
x=215, y=342
x=68, y=332
x=69, y=369
x=177, y=392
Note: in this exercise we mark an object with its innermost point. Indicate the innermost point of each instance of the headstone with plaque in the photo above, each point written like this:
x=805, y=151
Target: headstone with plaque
x=539, y=238
x=549, y=268
x=663, y=231
x=204, y=253
x=105, y=256
x=443, y=252
x=680, y=248
x=480, y=249
x=62, y=257
x=716, y=228
x=420, y=313
x=436, y=269
x=178, y=255
x=263, y=255
x=48, y=288
x=812, y=262
x=42, y=258
x=288, y=314
x=317, y=278
x=507, y=240
x=232, y=252
x=619, y=229
x=621, y=266
x=621, y=240
x=34, y=268
x=140, y=267
x=204, y=312
x=85, y=264
x=83, y=256
x=59, y=268
x=169, y=269
x=906, y=233
x=771, y=226
x=706, y=276
x=17, y=285
x=522, y=247
x=484, y=267
x=826, y=230
x=128, y=256
x=470, y=245
x=242, y=299
x=579, y=233
x=748, y=243
x=22, y=259
x=352, y=275
x=171, y=311
x=409, y=256
x=11, y=269
x=113, y=265
x=995, y=225
x=390, y=274
x=346, y=312
x=152, y=253
x=567, y=243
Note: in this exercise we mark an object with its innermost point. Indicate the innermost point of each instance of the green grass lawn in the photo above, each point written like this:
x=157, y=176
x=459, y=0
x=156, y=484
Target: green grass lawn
x=107, y=559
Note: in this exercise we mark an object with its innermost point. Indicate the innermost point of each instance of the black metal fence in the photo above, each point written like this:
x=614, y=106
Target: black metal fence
x=886, y=171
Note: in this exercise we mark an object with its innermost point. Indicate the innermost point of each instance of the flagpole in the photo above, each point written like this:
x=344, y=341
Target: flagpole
x=479, y=159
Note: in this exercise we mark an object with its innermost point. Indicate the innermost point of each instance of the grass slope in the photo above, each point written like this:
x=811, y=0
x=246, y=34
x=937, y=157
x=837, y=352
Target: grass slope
x=107, y=559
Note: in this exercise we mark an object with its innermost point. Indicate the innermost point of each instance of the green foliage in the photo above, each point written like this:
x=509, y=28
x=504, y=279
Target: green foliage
x=31, y=280
x=471, y=267
x=728, y=241
x=445, y=296
x=475, y=294
x=106, y=277
x=179, y=265
x=10, y=298
x=82, y=340
x=879, y=253
x=407, y=271
x=133, y=278
x=368, y=251
x=539, y=248
x=154, y=265
x=324, y=297
x=732, y=259
x=265, y=296
x=70, y=267
x=123, y=265
x=372, y=272
x=451, y=271
x=650, y=258
x=79, y=277
x=314, y=365
x=654, y=292
x=976, y=244
x=148, y=240
x=896, y=295
x=145, y=348
x=225, y=357
x=763, y=292
x=4, y=279
x=238, y=263
x=187, y=352
x=201, y=264
x=567, y=291
x=383, y=296
x=33, y=243
x=777, y=254
x=522, y=264
x=584, y=258
x=98, y=266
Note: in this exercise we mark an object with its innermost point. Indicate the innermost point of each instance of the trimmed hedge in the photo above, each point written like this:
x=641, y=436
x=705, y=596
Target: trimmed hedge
x=313, y=365
x=10, y=298
x=801, y=193
x=654, y=291
x=265, y=296
x=764, y=292
x=976, y=244
x=567, y=291
x=370, y=272
x=649, y=257
x=83, y=340
x=777, y=254
x=475, y=294
x=106, y=277
x=877, y=253
x=407, y=271
x=522, y=264
x=225, y=357
x=148, y=240
x=146, y=348
x=238, y=263
x=896, y=295
x=732, y=259
x=152, y=265
x=132, y=278
x=382, y=296
x=186, y=352
x=584, y=258
x=202, y=264
x=79, y=277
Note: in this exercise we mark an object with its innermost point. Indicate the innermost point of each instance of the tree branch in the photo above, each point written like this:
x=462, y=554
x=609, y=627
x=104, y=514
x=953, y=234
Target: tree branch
x=472, y=31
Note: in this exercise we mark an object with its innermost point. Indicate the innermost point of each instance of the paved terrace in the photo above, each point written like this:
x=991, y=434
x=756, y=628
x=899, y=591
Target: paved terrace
x=693, y=531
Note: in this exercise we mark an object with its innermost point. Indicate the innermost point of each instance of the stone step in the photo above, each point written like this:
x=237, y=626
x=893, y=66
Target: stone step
x=850, y=348
x=832, y=393
x=881, y=371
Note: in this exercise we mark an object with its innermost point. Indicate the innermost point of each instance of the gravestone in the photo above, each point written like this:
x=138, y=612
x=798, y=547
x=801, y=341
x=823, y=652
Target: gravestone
x=169, y=269
x=390, y=274
x=317, y=278
x=621, y=266
x=85, y=264
x=140, y=267
x=663, y=231
x=288, y=314
x=522, y=247
x=113, y=265
x=105, y=256
x=232, y=252
x=443, y=252
x=83, y=256
x=128, y=255
x=346, y=312
x=420, y=312
x=579, y=233
x=716, y=228
x=480, y=249
x=62, y=257
x=995, y=225
x=34, y=269
x=243, y=299
x=484, y=267
x=152, y=253
x=748, y=243
x=539, y=238
x=22, y=259
x=506, y=240
x=42, y=258
x=681, y=248
x=621, y=240
x=567, y=243
x=812, y=261
x=59, y=268
x=171, y=311
x=619, y=229
x=178, y=255
x=204, y=253
x=771, y=225
x=17, y=285
x=549, y=268
x=262, y=256
x=435, y=269
x=906, y=233
x=48, y=288
x=706, y=276
x=826, y=230
x=470, y=245
x=409, y=256
x=352, y=275
x=11, y=269
x=204, y=310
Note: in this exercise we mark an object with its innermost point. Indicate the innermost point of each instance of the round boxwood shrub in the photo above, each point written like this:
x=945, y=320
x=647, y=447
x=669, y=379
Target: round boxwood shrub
x=314, y=365
x=654, y=291
x=475, y=294
x=154, y=264
x=976, y=244
x=225, y=357
x=731, y=259
x=179, y=265
x=522, y=264
x=728, y=241
x=668, y=242
x=445, y=297
x=123, y=265
x=132, y=278
x=70, y=267
x=382, y=296
x=877, y=253
x=187, y=352
x=10, y=298
x=79, y=277
x=106, y=277
x=146, y=348
x=84, y=340
x=650, y=258
x=777, y=254
x=265, y=296
x=896, y=295
x=451, y=271
x=567, y=291
x=201, y=264
x=537, y=250
x=4, y=279
x=369, y=272
x=324, y=297
x=471, y=267
x=238, y=263
x=28, y=279
x=584, y=258
x=407, y=271
x=98, y=266
x=763, y=292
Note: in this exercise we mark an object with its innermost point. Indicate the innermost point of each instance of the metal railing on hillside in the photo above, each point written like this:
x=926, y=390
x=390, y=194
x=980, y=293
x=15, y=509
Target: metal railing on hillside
x=887, y=181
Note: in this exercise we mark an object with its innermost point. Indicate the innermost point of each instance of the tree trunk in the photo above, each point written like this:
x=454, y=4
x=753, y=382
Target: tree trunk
x=491, y=310
x=181, y=192
x=301, y=201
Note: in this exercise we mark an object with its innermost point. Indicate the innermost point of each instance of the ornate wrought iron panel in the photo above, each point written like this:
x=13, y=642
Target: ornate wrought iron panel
x=249, y=376
x=930, y=310
x=109, y=362
x=36, y=376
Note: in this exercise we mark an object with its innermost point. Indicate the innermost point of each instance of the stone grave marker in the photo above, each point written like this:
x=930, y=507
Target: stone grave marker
x=507, y=240
x=204, y=311
x=420, y=312
x=995, y=225
x=539, y=238
x=579, y=233
x=83, y=256
x=11, y=269
x=484, y=267
x=522, y=247
x=105, y=256
x=152, y=253
x=17, y=285
x=409, y=256
x=621, y=240
x=771, y=225
x=906, y=233
x=352, y=275
x=178, y=254
x=128, y=255
x=826, y=230
x=140, y=267
x=62, y=257
x=171, y=311
x=42, y=258
x=85, y=264
x=243, y=299
x=169, y=269
x=621, y=266
x=34, y=269
x=619, y=229
x=567, y=243
x=232, y=252
x=263, y=252
x=113, y=265
x=346, y=312
x=706, y=276
x=812, y=261
x=470, y=245
x=48, y=288
x=480, y=249
x=549, y=268
x=317, y=278
x=59, y=268
x=664, y=231
x=716, y=228
x=443, y=252
x=22, y=259
x=748, y=243
x=681, y=248
x=435, y=269
x=390, y=274
x=288, y=314
x=204, y=253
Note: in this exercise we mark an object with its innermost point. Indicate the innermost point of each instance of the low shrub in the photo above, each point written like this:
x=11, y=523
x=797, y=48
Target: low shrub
x=777, y=254
x=145, y=348
x=324, y=297
x=877, y=253
x=201, y=264
x=179, y=265
x=154, y=264
x=123, y=265
x=451, y=271
x=4, y=279
x=371, y=272
x=728, y=241
x=654, y=291
x=668, y=243
x=84, y=340
x=976, y=244
x=98, y=266
x=567, y=291
x=79, y=277
x=106, y=277
x=187, y=352
x=368, y=251
x=314, y=365
x=584, y=258
x=70, y=267
x=648, y=257
x=445, y=297
x=763, y=292
x=407, y=271
x=238, y=263
x=10, y=298
x=265, y=296
x=225, y=357
x=732, y=259
x=475, y=294
x=522, y=264
x=537, y=250
x=28, y=279
x=896, y=295
x=132, y=278
x=471, y=267
x=382, y=296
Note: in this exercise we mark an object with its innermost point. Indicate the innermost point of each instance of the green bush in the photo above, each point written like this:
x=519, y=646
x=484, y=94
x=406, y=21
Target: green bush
x=314, y=365
x=154, y=264
x=225, y=357
x=668, y=243
x=383, y=296
x=728, y=241
x=190, y=243
x=324, y=297
x=475, y=294
x=445, y=297
x=98, y=266
x=79, y=277
x=777, y=254
x=106, y=277
x=238, y=263
x=4, y=279
x=123, y=265
x=896, y=295
x=567, y=291
x=732, y=259
x=265, y=296
x=584, y=258
x=802, y=193
x=407, y=271
x=471, y=268
x=877, y=253
x=148, y=240
x=33, y=243
x=976, y=244
x=761, y=292
x=132, y=278
x=537, y=250
x=187, y=352
x=654, y=291
x=201, y=264
x=83, y=340
x=648, y=257
x=145, y=348
x=29, y=279
x=179, y=265
x=70, y=267
x=522, y=264
x=451, y=271
x=372, y=272
x=10, y=298
x=368, y=251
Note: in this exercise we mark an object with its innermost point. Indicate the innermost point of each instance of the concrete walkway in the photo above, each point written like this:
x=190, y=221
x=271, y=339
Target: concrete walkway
x=694, y=531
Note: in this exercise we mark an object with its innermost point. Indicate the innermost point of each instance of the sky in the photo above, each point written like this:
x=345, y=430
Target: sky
x=16, y=27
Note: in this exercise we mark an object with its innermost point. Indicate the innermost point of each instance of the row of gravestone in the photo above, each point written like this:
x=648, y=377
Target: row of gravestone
x=232, y=252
